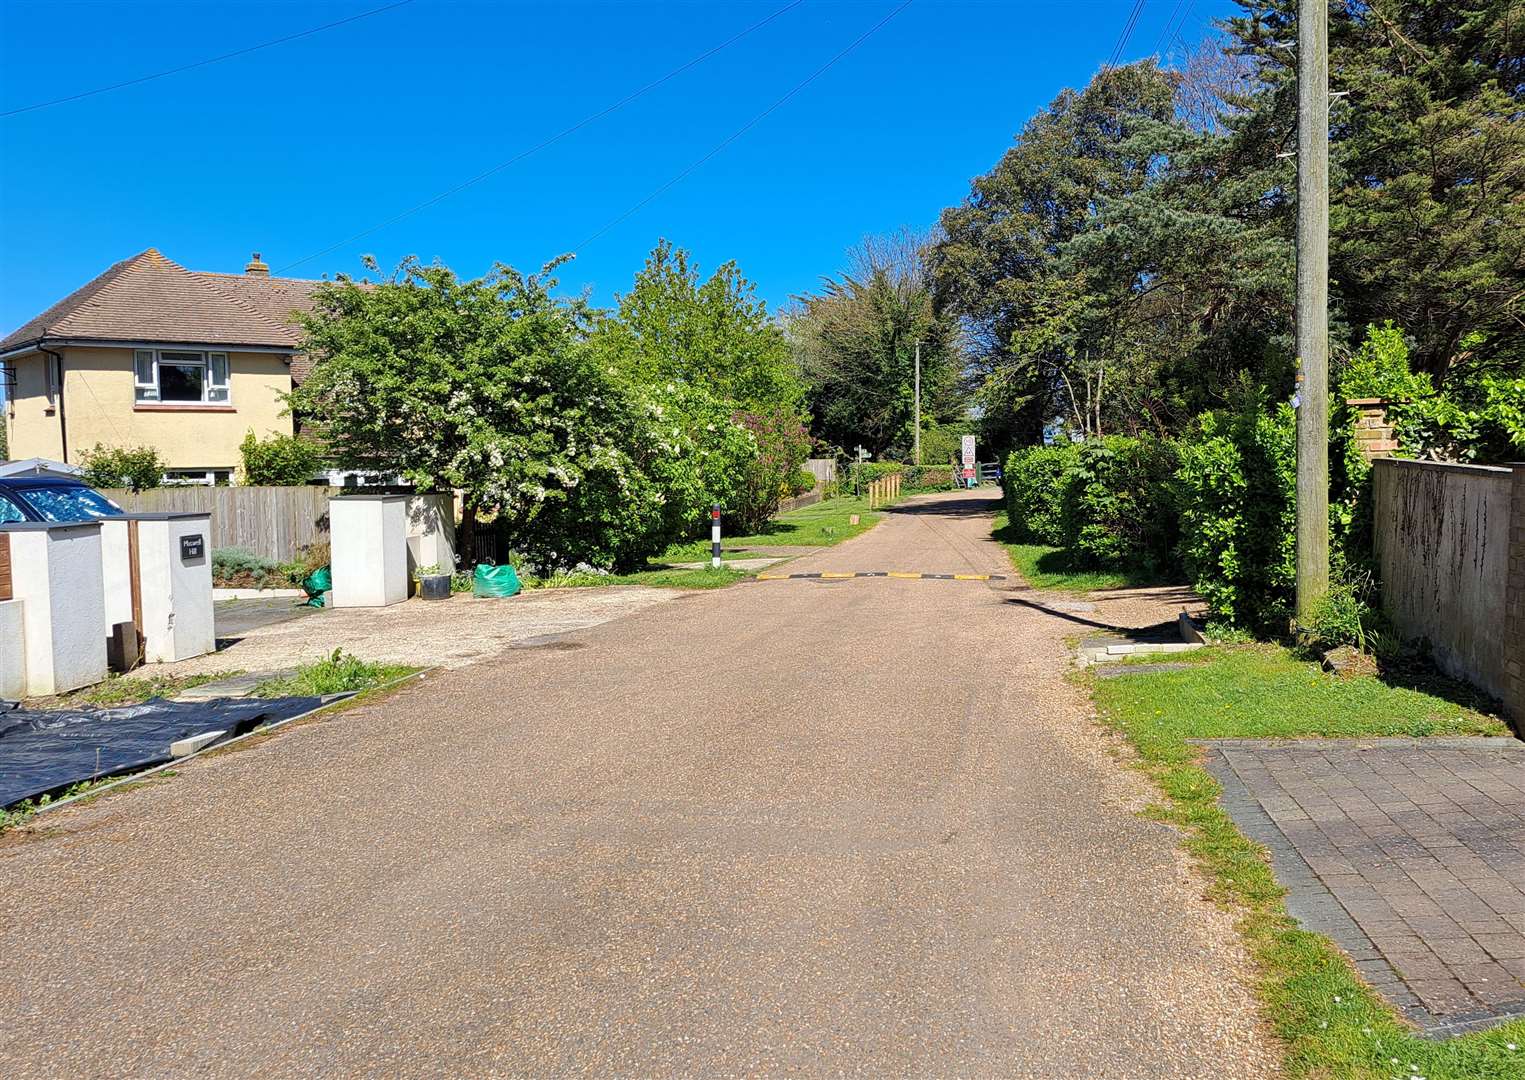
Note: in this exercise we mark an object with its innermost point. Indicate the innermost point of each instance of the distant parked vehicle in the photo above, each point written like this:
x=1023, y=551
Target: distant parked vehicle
x=52, y=498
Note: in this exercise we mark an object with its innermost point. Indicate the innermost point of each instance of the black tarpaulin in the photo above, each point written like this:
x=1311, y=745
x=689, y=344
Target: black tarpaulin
x=45, y=750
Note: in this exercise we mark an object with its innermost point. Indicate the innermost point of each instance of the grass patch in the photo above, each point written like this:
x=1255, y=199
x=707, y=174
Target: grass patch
x=337, y=674
x=1045, y=567
x=666, y=577
x=1334, y=1026
x=822, y=525
x=129, y=690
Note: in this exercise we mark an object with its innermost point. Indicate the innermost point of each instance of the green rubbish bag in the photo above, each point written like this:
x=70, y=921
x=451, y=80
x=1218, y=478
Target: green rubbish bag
x=316, y=584
x=494, y=581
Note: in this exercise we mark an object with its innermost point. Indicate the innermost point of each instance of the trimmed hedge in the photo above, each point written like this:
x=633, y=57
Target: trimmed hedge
x=1034, y=484
x=1117, y=503
x=1218, y=503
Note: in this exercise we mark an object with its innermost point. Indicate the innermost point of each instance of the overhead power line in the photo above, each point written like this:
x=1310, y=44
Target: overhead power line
x=544, y=143
x=748, y=126
x=1122, y=39
x=1174, y=25
x=203, y=63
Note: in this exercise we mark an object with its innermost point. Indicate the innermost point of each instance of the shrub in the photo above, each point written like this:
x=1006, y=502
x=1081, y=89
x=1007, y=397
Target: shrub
x=928, y=477
x=279, y=461
x=863, y=473
x=1033, y=483
x=134, y=467
x=942, y=444
x=804, y=483
x=1237, y=485
x=1117, y=504
x=240, y=567
x=782, y=446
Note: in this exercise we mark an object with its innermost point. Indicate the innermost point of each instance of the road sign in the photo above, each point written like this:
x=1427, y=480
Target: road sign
x=968, y=449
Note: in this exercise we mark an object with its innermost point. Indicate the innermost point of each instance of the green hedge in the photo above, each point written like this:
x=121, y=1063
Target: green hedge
x=1217, y=504
x=1117, y=504
x=928, y=478
x=1034, y=485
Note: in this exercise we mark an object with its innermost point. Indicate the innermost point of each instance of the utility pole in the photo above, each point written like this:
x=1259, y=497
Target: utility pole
x=1312, y=305
x=916, y=435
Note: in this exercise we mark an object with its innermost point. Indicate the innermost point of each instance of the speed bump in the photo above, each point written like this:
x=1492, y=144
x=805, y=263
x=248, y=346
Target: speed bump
x=904, y=575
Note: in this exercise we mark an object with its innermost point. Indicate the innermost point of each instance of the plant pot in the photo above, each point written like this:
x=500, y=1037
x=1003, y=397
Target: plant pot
x=434, y=586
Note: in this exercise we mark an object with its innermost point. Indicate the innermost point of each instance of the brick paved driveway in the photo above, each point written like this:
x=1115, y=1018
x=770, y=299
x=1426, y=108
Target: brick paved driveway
x=1410, y=853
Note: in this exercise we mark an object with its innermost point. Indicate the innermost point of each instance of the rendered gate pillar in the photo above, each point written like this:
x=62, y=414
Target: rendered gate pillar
x=368, y=538
x=157, y=573
x=175, y=582
x=56, y=574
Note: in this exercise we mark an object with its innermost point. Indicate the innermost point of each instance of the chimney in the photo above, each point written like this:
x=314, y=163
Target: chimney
x=257, y=268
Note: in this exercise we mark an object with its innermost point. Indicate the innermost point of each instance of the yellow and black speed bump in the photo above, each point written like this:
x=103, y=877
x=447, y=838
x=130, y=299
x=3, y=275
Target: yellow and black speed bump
x=827, y=575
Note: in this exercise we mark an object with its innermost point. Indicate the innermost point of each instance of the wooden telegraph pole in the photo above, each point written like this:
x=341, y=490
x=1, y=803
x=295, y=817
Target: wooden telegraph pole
x=1312, y=305
x=916, y=432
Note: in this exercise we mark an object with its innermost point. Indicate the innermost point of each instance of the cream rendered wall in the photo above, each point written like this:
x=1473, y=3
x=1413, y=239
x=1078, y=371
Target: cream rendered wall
x=98, y=396
x=31, y=430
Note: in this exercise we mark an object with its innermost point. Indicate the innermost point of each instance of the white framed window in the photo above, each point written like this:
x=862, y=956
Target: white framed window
x=174, y=376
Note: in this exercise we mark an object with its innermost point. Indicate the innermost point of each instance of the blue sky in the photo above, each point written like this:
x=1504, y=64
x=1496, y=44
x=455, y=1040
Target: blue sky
x=296, y=147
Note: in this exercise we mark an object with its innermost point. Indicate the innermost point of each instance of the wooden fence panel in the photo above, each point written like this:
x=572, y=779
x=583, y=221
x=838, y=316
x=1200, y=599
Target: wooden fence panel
x=272, y=522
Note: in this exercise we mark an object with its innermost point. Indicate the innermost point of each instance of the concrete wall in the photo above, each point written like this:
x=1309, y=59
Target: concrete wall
x=1443, y=539
x=56, y=574
x=12, y=650
x=98, y=407
x=370, y=550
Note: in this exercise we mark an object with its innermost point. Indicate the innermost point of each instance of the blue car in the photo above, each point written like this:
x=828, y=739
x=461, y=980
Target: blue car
x=52, y=498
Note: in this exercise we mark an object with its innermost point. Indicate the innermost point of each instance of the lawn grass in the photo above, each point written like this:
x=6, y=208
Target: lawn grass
x=1050, y=568
x=820, y=525
x=1334, y=1026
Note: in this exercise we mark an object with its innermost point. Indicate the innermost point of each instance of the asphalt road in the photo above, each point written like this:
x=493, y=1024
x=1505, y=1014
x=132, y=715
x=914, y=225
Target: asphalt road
x=822, y=827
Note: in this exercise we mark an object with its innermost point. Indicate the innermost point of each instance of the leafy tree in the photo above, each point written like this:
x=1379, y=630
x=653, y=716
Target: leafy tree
x=487, y=386
x=135, y=467
x=719, y=376
x=1427, y=200
x=855, y=344
x=712, y=334
x=279, y=460
x=995, y=269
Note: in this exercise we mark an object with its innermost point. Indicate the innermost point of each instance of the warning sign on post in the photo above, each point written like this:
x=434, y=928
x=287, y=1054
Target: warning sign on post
x=968, y=449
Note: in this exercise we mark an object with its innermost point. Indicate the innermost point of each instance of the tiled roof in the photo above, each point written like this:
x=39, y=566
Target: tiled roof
x=151, y=299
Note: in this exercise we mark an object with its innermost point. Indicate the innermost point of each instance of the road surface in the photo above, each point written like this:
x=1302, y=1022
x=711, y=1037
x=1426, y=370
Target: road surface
x=820, y=826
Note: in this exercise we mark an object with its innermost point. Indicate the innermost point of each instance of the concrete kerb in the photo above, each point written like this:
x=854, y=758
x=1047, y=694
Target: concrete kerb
x=139, y=777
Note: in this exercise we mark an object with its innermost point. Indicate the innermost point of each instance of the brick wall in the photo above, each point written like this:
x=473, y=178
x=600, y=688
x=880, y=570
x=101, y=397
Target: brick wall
x=1374, y=433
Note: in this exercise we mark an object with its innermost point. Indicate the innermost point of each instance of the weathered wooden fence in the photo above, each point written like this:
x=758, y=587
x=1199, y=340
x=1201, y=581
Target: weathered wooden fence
x=272, y=522
x=825, y=470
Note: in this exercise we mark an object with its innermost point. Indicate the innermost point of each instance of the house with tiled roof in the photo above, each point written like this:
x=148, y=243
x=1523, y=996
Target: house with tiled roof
x=152, y=354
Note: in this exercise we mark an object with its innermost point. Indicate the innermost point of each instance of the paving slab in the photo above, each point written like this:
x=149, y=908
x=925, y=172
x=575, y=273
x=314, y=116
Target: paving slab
x=1409, y=853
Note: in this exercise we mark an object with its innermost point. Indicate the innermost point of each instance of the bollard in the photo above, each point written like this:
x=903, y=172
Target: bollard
x=715, y=537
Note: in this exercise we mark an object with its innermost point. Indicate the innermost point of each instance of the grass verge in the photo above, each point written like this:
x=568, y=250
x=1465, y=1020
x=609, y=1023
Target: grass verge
x=821, y=525
x=666, y=577
x=1334, y=1026
x=1045, y=567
